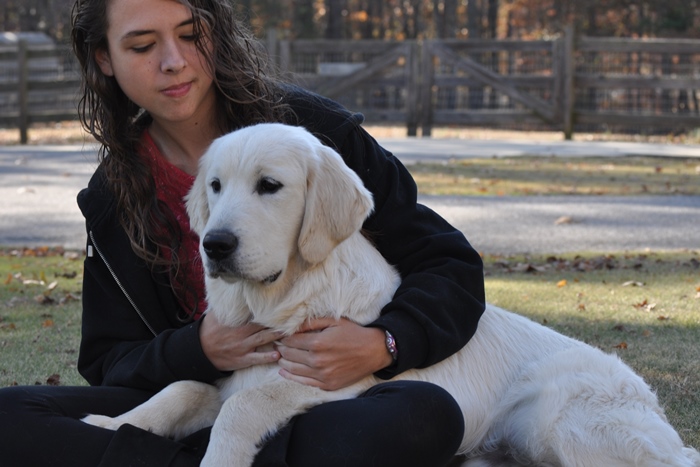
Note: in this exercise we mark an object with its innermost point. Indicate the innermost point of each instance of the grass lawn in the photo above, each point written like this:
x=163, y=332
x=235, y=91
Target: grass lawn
x=523, y=176
x=644, y=307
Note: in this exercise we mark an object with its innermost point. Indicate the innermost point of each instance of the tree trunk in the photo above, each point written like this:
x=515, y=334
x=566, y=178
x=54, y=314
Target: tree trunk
x=474, y=19
x=303, y=26
x=334, y=14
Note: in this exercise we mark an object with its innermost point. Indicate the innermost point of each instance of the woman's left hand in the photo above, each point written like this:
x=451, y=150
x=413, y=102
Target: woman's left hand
x=331, y=354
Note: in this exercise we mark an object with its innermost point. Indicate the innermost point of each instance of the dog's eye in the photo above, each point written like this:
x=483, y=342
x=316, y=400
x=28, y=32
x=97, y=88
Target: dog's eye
x=268, y=186
x=215, y=185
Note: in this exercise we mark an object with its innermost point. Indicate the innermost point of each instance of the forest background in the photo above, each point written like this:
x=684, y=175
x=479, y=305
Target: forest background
x=416, y=19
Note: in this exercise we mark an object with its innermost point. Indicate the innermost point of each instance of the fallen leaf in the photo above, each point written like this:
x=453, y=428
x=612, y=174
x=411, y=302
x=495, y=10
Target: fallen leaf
x=562, y=283
x=581, y=307
x=633, y=284
x=564, y=220
x=663, y=318
x=645, y=305
x=32, y=282
x=621, y=345
x=54, y=380
x=47, y=323
x=9, y=278
x=527, y=267
x=69, y=297
x=44, y=299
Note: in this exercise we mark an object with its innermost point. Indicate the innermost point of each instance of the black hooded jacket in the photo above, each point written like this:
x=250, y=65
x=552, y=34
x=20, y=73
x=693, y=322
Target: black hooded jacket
x=131, y=335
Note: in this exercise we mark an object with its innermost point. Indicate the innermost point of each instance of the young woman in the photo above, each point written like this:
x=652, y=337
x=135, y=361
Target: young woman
x=162, y=79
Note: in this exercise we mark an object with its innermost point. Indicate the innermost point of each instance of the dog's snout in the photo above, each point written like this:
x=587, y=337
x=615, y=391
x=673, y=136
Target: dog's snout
x=219, y=244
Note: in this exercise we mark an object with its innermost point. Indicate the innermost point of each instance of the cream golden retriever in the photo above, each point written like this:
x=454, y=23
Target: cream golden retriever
x=279, y=217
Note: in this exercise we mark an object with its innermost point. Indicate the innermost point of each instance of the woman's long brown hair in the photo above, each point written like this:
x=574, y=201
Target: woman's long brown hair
x=246, y=94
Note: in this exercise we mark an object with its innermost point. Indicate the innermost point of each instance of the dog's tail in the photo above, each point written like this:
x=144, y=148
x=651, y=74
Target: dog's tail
x=693, y=456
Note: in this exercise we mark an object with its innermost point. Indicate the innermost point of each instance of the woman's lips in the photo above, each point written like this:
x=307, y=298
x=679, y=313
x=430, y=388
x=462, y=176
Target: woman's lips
x=179, y=90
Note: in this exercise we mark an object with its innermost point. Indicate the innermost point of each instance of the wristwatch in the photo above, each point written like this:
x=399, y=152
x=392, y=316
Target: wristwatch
x=391, y=345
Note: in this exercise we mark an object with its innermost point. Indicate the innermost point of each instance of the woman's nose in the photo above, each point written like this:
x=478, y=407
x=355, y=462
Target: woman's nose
x=172, y=60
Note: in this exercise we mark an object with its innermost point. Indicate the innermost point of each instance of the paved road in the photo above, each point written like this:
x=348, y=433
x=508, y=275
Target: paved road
x=38, y=185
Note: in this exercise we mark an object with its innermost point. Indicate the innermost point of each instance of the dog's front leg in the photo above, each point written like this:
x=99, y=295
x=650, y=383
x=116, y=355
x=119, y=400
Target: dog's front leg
x=180, y=409
x=250, y=416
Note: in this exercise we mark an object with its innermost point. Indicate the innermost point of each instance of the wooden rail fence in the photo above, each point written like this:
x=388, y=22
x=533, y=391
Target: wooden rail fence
x=567, y=84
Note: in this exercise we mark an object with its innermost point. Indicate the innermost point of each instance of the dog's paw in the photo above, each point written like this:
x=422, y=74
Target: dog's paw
x=103, y=422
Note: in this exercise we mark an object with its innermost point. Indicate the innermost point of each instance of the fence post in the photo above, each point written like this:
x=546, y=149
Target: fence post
x=271, y=45
x=427, y=72
x=23, y=90
x=414, y=90
x=568, y=67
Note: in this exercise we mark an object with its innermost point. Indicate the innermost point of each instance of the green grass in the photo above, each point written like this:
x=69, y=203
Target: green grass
x=39, y=316
x=644, y=307
x=521, y=176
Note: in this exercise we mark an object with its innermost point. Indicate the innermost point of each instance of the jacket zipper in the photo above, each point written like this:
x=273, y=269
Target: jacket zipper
x=116, y=279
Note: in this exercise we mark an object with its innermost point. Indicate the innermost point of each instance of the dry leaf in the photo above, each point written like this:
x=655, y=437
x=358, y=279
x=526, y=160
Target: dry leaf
x=47, y=323
x=54, y=380
x=581, y=307
x=645, y=305
x=564, y=220
x=44, y=299
x=69, y=297
x=561, y=283
x=663, y=318
x=621, y=345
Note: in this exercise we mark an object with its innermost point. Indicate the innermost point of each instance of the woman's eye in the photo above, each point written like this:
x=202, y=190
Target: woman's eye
x=215, y=185
x=141, y=49
x=268, y=186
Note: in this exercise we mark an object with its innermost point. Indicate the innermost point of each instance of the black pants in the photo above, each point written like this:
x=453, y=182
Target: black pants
x=393, y=424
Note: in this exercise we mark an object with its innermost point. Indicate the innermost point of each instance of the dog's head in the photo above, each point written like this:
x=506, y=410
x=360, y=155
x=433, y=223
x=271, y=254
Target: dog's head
x=268, y=194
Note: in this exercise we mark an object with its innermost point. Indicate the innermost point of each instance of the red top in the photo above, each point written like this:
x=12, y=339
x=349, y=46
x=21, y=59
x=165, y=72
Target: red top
x=172, y=184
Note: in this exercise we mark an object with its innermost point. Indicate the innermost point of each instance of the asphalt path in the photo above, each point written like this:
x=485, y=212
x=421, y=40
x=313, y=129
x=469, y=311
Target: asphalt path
x=39, y=184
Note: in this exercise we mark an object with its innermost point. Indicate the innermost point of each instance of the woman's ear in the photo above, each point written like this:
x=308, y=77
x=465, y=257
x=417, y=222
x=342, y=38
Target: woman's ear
x=104, y=61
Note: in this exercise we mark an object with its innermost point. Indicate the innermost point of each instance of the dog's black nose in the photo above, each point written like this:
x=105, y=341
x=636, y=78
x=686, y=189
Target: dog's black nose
x=219, y=244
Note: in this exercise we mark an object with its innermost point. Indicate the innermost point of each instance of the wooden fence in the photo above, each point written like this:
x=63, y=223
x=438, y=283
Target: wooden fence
x=566, y=84
x=37, y=84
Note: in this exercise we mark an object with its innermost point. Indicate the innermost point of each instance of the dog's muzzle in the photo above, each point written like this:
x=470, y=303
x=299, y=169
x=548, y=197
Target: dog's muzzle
x=219, y=244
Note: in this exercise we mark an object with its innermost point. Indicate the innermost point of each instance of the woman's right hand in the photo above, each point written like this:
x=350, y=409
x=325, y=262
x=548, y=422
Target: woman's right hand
x=233, y=348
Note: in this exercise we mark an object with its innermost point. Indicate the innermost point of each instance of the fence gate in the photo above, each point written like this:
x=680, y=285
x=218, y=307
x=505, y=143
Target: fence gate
x=375, y=76
x=488, y=82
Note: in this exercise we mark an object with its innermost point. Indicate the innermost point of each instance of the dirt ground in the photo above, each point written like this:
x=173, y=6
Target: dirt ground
x=71, y=133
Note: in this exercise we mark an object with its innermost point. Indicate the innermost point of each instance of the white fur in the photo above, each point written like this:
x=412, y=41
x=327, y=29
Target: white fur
x=525, y=390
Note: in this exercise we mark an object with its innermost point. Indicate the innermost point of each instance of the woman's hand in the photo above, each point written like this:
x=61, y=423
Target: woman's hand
x=331, y=354
x=229, y=348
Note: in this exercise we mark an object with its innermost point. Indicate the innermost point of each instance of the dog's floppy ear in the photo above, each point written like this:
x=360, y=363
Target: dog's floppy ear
x=337, y=203
x=196, y=201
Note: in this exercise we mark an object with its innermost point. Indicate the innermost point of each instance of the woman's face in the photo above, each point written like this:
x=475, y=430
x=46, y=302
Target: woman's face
x=152, y=55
